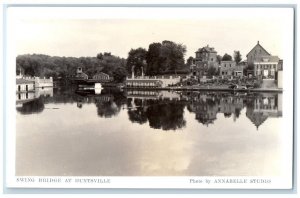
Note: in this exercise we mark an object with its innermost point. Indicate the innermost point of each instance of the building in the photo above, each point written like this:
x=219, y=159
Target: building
x=256, y=53
x=227, y=68
x=266, y=66
x=149, y=81
x=80, y=74
x=102, y=77
x=205, y=57
x=279, y=74
x=25, y=89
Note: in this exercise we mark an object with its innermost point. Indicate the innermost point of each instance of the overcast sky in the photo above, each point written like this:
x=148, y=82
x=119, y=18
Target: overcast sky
x=86, y=37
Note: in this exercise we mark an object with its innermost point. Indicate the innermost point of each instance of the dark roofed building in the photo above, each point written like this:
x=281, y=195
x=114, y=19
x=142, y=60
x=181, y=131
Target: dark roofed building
x=206, y=54
x=205, y=57
x=256, y=53
x=80, y=74
x=103, y=77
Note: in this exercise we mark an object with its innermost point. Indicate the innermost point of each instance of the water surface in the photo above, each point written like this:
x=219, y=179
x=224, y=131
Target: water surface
x=64, y=132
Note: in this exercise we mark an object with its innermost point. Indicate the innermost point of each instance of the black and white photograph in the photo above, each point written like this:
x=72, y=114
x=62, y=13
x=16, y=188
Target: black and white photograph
x=197, y=97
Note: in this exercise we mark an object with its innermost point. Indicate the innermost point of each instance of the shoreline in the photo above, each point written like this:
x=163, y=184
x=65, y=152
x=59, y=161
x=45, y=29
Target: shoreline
x=189, y=88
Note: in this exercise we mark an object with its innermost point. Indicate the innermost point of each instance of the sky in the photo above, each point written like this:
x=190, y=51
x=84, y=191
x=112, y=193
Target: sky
x=226, y=30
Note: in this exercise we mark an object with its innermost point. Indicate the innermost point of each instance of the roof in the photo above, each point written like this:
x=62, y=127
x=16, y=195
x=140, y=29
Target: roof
x=24, y=81
x=270, y=58
x=101, y=73
x=207, y=49
x=259, y=46
x=143, y=80
x=232, y=61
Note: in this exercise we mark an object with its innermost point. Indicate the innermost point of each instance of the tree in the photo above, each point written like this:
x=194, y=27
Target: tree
x=136, y=60
x=100, y=56
x=154, y=59
x=250, y=67
x=119, y=74
x=173, y=55
x=237, y=56
x=165, y=57
x=226, y=57
x=211, y=71
x=219, y=59
x=189, y=61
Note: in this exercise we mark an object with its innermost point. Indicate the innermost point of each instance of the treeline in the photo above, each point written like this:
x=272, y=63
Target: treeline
x=160, y=58
x=64, y=67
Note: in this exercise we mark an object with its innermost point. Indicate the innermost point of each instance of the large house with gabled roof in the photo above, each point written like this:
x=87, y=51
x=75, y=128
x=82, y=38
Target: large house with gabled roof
x=265, y=65
x=256, y=53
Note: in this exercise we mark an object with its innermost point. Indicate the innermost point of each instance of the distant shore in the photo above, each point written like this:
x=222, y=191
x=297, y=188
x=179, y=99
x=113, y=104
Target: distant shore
x=207, y=88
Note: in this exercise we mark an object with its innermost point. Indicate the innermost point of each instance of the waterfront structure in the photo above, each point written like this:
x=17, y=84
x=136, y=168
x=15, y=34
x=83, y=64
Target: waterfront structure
x=152, y=81
x=266, y=66
x=43, y=82
x=256, y=53
x=80, y=74
x=26, y=87
x=103, y=77
x=205, y=57
x=24, y=84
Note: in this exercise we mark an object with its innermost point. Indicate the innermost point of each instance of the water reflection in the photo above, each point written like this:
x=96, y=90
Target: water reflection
x=161, y=109
x=148, y=133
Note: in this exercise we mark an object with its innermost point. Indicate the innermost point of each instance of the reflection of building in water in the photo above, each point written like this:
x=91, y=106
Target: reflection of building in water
x=152, y=94
x=231, y=106
x=205, y=107
x=31, y=94
x=263, y=106
x=33, y=101
x=46, y=92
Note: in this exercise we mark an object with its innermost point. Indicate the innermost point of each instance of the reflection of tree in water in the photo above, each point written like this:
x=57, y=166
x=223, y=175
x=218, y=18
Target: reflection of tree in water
x=227, y=115
x=107, y=109
x=237, y=112
x=35, y=106
x=166, y=115
x=137, y=115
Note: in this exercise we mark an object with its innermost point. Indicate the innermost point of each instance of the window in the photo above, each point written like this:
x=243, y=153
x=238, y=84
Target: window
x=230, y=65
x=212, y=59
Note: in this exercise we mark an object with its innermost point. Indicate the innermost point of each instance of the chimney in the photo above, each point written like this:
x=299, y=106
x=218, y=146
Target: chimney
x=257, y=42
